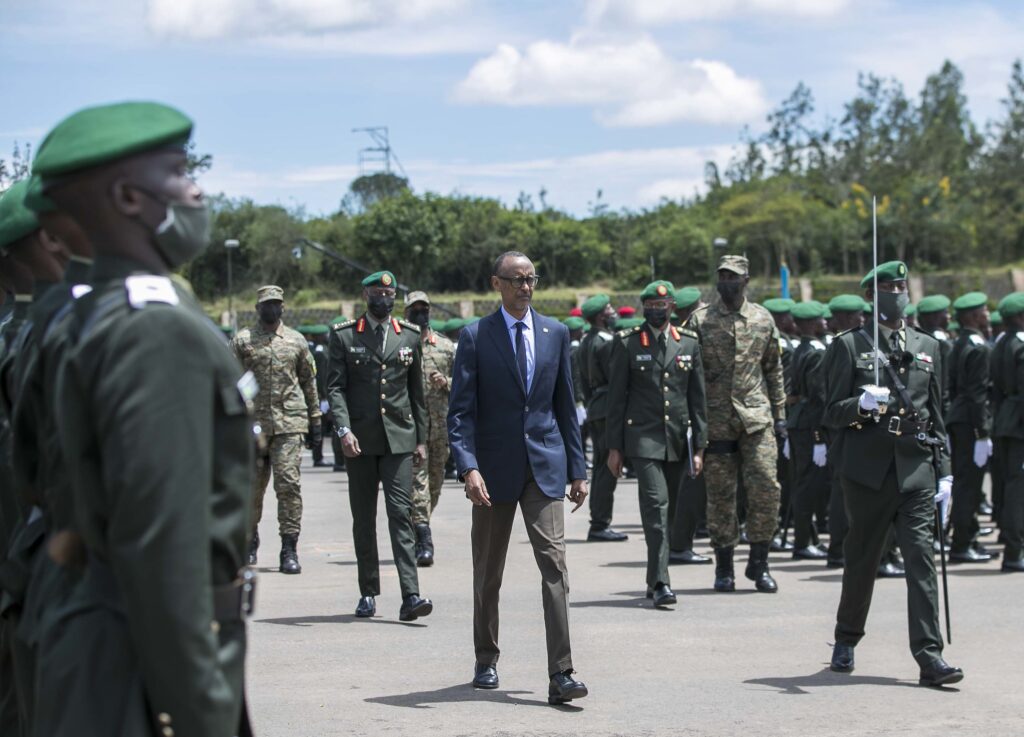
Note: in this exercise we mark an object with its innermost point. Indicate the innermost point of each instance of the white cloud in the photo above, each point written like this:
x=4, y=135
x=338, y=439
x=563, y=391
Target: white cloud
x=209, y=19
x=656, y=12
x=632, y=83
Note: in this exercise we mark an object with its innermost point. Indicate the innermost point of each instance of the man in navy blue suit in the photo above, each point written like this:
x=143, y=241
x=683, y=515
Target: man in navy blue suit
x=513, y=432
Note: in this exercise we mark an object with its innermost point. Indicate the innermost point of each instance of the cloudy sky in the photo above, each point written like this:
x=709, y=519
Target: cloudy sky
x=482, y=97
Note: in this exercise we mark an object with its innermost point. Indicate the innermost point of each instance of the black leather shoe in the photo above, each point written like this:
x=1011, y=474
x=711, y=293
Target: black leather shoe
x=413, y=607
x=663, y=595
x=940, y=673
x=424, y=546
x=725, y=575
x=366, y=607
x=757, y=569
x=687, y=557
x=338, y=467
x=835, y=563
x=982, y=550
x=936, y=547
x=969, y=556
x=985, y=508
x=777, y=546
x=289, y=556
x=1012, y=566
x=811, y=552
x=890, y=570
x=485, y=676
x=607, y=535
x=842, y=659
x=254, y=545
x=985, y=531
x=563, y=687
x=319, y=464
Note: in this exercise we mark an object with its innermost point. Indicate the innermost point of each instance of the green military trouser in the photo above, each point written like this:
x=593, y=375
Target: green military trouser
x=837, y=523
x=602, y=484
x=756, y=454
x=366, y=473
x=659, y=484
x=283, y=456
x=693, y=497
x=871, y=514
x=1011, y=518
x=426, y=484
x=808, y=482
x=997, y=465
x=967, y=480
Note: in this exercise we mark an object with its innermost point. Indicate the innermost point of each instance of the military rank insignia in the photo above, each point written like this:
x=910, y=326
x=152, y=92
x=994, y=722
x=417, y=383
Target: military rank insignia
x=684, y=362
x=645, y=339
x=405, y=356
x=924, y=357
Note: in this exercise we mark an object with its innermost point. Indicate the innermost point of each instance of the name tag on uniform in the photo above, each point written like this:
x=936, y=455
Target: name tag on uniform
x=357, y=349
x=644, y=357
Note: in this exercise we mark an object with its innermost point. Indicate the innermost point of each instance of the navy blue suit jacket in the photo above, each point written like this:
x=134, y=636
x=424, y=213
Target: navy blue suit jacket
x=494, y=427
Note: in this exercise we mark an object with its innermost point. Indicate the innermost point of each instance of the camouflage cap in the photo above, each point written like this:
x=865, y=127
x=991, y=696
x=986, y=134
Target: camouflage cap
x=970, y=301
x=379, y=279
x=414, y=297
x=736, y=264
x=889, y=271
x=1012, y=304
x=687, y=297
x=268, y=293
x=846, y=303
x=659, y=289
x=933, y=303
x=595, y=305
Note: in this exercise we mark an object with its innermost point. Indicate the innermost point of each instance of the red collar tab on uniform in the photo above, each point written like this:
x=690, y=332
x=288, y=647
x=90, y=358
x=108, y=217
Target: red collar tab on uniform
x=645, y=339
x=675, y=333
x=432, y=339
x=396, y=326
x=361, y=325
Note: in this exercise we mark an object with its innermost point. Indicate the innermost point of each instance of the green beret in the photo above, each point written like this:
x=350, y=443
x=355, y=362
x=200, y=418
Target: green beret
x=660, y=289
x=16, y=220
x=227, y=330
x=889, y=271
x=454, y=324
x=954, y=326
x=778, y=305
x=35, y=200
x=687, y=297
x=595, y=305
x=846, y=303
x=970, y=301
x=337, y=320
x=1012, y=304
x=827, y=312
x=868, y=308
x=933, y=303
x=313, y=329
x=98, y=135
x=810, y=310
x=437, y=325
x=910, y=310
x=380, y=279
x=629, y=322
x=575, y=323
x=995, y=318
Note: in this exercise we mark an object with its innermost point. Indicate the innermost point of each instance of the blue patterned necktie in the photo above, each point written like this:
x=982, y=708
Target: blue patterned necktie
x=521, y=351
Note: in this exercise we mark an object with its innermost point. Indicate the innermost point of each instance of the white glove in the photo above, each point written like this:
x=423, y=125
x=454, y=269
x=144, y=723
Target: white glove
x=945, y=490
x=785, y=449
x=581, y=414
x=820, y=456
x=867, y=402
x=325, y=406
x=982, y=451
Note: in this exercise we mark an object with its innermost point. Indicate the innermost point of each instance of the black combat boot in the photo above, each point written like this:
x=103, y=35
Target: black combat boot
x=254, y=545
x=725, y=576
x=289, y=556
x=757, y=569
x=424, y=546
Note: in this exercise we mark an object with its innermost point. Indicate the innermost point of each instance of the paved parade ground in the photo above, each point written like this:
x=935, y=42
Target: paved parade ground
x=718, y=664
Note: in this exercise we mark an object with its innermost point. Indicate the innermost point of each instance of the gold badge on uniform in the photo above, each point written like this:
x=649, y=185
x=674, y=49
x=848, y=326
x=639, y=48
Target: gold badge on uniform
x=662, y=290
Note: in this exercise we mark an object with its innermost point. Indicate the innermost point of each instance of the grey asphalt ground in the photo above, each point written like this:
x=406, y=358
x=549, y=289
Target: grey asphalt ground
x=718, y=664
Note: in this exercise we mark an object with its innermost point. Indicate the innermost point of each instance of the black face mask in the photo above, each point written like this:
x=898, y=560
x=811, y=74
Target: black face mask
x=419, y=317
x=380, y=307
x=730, y=290
x=656, y=317
x=270, y=312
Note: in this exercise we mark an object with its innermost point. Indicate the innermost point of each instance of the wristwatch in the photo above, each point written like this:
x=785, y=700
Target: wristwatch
x=343, y=431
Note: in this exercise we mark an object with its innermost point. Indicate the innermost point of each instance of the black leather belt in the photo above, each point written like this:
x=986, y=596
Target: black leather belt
x=722, y=447
x=235, y=601
x=900, y=426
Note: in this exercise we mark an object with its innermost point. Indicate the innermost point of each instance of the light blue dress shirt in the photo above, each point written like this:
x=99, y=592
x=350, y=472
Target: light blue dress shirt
x=528, y=338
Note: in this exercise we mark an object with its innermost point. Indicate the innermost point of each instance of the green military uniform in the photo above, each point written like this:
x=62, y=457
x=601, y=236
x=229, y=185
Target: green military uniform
x=788, y=344
x=656, y=412
x=319, y=353
x=158, y=446
x=286, y=406
x=807, y=436
x=594, y=358
x=377, y=394
x=932, y=305
x=439, y=356
x=969, y=424
x=889, y=470
x=1008, y=429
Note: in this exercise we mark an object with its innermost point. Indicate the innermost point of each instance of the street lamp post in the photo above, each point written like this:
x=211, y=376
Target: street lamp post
x=230, y=245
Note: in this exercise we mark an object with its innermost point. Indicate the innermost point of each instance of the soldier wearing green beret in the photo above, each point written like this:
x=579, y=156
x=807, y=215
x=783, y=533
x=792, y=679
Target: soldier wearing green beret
x=438, y=360
x=157, y=440
x=933, y=318
x=316, y=337
x=995, y=321
x=969, y=423
x=594, y=361
x=657, y=418
x=687, y=301
x=375, y=386
x=576, y=325
x=896, y=421
x=1007, y=364
x=910, y=315
x=287, y=413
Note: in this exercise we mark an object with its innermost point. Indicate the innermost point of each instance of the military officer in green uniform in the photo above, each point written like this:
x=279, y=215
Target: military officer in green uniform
x=157, y=439
x=316, y=338
x=1008, y=428
x=438, y=359
x=969, y=424
x=807, y=436
x=375, y=387
x=933, y=318
x=891, y=443
x=781, y=309
x=594, y=361
x=657, y=418
x=287, y=410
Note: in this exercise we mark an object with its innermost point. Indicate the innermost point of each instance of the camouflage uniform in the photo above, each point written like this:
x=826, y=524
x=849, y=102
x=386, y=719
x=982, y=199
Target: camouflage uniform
x=745, y=393
x=438, y=355
x=285, y=407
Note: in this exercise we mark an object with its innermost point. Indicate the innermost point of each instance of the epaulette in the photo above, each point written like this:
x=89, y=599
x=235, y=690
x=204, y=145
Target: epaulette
x=343, y=325
x=411, y=325
x=629, y=331
x=846, y=332
x=145, y=288
x=977, y=339
x=605, y=334
x=689, y=333
x=817, y=345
